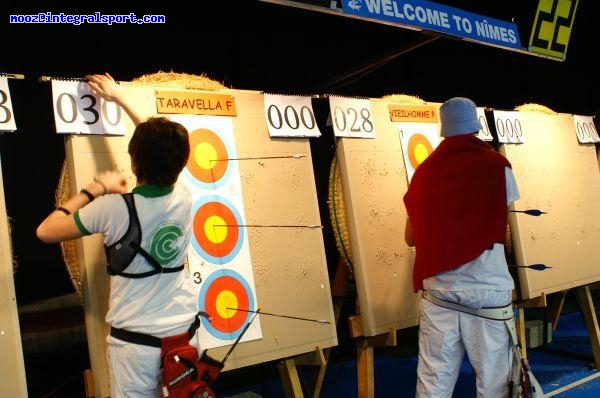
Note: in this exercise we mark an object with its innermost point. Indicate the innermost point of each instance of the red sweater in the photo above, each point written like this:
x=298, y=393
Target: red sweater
x=456, y=203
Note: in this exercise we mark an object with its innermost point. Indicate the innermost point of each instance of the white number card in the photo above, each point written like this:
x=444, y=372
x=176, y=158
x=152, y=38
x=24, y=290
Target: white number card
x=484, y=134
x=77, y=110
x=509, y=127
x=290, y=116
x=351, y=117
x=585, y=129
x=7, y=119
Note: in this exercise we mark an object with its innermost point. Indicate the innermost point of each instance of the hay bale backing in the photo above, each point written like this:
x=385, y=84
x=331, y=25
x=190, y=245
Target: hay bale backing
x=179, y=80
x=535, y=108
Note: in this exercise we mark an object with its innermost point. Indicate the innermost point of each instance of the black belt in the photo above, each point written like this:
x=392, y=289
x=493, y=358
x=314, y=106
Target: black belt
x=149, y=340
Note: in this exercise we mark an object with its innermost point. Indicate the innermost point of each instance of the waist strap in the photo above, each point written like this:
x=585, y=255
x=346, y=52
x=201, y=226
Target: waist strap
x=147, y=339
x=495, y=313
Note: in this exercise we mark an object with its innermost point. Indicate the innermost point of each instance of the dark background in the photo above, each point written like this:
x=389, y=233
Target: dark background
x=249, y=44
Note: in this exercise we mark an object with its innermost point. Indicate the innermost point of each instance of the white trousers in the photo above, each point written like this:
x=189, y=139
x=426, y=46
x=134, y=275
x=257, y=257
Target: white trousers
x=445, y=335
x=135, y=369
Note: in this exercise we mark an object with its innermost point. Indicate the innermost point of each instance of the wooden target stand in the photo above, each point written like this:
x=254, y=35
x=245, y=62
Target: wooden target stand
x=365, y=359
x=297, y=350
x=551, y=294
x=13, y=382
x=554, y=304
x=290, y=378
x=365, y=344
x=288, y=368
x=365, y=353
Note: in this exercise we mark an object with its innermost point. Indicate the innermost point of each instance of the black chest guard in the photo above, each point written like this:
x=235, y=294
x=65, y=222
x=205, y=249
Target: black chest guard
x=121, y=253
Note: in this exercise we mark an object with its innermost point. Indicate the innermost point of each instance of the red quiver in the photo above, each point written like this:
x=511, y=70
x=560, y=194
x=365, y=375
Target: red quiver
x=185, y=373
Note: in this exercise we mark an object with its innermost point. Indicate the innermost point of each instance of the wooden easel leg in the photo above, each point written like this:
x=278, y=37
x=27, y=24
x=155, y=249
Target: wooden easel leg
x=591, y=321
x=321, y=374
x=288, y=369
x=555, y=308
x=366, y=370
x=290, y=379
x=88, y=380
x=338, y=292
x=319, y=358
x=540, y=301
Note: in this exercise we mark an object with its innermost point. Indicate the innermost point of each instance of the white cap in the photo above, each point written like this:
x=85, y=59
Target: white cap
x=458, y=116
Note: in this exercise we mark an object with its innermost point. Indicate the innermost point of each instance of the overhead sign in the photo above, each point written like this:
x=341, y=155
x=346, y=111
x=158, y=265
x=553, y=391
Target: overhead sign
x=552, y=27
x=439, y=18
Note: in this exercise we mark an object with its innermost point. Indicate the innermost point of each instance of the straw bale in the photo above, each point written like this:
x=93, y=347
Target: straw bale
x=337, y=214
x=535, y=108
x=67, y=248
x=404, y=98
x=180, y=80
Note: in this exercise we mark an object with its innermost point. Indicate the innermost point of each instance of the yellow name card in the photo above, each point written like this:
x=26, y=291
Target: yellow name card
x=195, y=103
x=413, y=113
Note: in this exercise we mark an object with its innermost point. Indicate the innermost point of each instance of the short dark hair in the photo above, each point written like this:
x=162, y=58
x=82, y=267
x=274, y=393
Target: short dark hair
x=159, y=150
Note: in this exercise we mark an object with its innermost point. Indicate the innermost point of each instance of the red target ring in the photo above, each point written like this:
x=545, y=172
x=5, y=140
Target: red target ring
x=419, y=148
x=224, y=295
x=216, y=229
x=208, y=156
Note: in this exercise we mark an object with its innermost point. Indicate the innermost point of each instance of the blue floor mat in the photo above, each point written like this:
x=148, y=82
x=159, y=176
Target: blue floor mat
x=560, y=366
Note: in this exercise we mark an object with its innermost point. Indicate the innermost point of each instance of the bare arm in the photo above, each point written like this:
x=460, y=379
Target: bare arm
x=408, y=234
x=59, y=226
x=108, y=89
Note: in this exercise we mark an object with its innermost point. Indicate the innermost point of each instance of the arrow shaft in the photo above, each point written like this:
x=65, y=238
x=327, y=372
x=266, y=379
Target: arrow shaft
x=281, y=316
x=266, y=226
x=239, y=337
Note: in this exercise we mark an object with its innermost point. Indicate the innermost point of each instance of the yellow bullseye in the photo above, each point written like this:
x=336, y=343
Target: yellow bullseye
x=421, y=152
x=225, y=301
x=205, y=155
x=208, y=161
x=215, y=229
x=418, y=149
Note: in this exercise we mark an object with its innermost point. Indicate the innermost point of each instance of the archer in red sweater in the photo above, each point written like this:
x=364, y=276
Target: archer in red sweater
x=457, y=204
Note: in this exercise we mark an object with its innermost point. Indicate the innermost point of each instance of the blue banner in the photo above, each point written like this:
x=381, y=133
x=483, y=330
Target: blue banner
x=438, y=18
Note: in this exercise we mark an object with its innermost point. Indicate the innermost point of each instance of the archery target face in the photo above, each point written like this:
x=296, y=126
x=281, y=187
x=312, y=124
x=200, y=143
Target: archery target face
x=209, y=163
x=217, y=236
x=220, y=296
x=418, y=141
x=418, y=149
x=219, y=243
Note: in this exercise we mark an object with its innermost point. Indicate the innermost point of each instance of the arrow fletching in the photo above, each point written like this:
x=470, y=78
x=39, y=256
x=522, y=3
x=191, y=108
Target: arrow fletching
x=535, y=267
x=531, y=212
